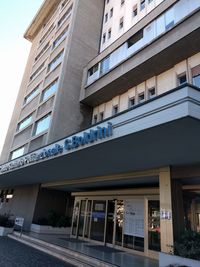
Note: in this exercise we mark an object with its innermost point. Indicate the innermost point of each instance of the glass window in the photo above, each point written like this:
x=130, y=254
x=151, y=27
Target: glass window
x=92, y=70
x=24, y=123
x=95, y=119
x=61, y=37
x=131, y=102
x=151, y=92
x=32, y=94
x=115, y=110
x=101, y=116
x=111, y=12
x=56, y=61
x=17, y=153
x=109, y=33
x=42, y=51
x=135, y=11
x=47, y=33
x=106, y=17
x=142, y=5
x=169, y=18
x=182, y=79
x=141, y=98
x=104, y=38
x=65, y=16
x=135, y=38
x=50, y=90
x=121, y=23
x=105, y=65
x=37, y=71
x=42, y=125
x=196, y=80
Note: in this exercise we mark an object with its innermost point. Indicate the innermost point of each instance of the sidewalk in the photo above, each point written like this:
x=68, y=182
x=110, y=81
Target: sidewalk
x=100, y=252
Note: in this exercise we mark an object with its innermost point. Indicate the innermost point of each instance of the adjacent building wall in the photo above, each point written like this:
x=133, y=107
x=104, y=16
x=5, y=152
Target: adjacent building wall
x=22, y=204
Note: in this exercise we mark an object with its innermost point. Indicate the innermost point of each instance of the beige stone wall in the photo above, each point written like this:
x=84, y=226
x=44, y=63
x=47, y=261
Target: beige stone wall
x=125, y=11
x=164, y=82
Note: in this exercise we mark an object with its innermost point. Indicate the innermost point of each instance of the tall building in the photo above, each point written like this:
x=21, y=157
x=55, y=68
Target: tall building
x=106, y=125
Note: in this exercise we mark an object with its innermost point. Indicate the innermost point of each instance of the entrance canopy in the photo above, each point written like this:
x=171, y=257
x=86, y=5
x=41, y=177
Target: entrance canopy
x=160, y=132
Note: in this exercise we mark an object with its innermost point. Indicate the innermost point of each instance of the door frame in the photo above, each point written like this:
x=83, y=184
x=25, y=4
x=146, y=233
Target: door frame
x=149, y=253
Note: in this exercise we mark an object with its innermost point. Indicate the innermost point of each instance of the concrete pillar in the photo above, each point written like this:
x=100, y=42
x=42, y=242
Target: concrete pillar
x=166, y=225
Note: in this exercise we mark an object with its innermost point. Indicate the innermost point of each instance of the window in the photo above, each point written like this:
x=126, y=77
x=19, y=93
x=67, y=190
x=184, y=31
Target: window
x=196, y=80
x=182, y=79
x=141, y=98
x=37, y=71
x=149, y=1
x=142, y=5
x=135, y=38
x=65, y=16
x=104, y=38
x=42, y=51
x=131, y=102
x=47, y=33
x=42, y=125
x=111, y=12
x=196, y=76
x=109, y=33
x=122, y=2
x=105, y=65
x=169, y=18
x=64, y=4
x=32, y=94
x=135, y=11
x=115, y=110
x=121, y=23
x=17, y=153
x=60, y=38
x=107, y=1
x=24, y=123
x=101, y=116
x=92, y=70
x=106, y=17
x=151, y=92
x=56, y=61
x=95, y=119
x=50, y=90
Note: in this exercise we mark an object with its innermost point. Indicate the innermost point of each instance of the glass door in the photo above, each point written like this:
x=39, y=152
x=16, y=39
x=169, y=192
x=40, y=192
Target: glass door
x=98, y=220
x=110, y=221
x=88, y=218
x=81, y=218
x=154, y=225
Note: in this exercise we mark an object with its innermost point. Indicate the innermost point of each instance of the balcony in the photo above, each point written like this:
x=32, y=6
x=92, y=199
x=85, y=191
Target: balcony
x=145, y=54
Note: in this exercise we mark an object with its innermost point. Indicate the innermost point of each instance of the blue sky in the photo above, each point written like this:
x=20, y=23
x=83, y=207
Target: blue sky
x=15, y=16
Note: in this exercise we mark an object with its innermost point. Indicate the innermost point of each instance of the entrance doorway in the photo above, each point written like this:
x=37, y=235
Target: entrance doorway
x=125, y=222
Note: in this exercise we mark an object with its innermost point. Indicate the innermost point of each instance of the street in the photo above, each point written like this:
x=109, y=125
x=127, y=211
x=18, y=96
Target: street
x=15, y=254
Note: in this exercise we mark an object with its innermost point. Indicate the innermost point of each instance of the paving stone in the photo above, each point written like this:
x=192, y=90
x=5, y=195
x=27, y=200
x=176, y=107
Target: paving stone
x=15, y=254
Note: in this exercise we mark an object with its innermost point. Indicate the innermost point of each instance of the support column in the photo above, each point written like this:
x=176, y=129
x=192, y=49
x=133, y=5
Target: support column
x=166, y=225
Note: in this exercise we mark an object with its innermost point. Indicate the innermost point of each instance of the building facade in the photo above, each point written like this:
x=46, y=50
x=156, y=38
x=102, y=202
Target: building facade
x=106, y=125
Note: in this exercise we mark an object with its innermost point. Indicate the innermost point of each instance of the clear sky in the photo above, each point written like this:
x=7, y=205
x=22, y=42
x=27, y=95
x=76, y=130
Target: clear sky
x=15, y=16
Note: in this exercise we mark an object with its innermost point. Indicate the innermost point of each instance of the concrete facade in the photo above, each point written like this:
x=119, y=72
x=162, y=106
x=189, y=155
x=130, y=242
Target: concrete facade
x=109, y=133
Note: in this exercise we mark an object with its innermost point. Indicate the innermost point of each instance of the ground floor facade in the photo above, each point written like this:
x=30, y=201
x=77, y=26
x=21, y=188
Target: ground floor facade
x=141, y=212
